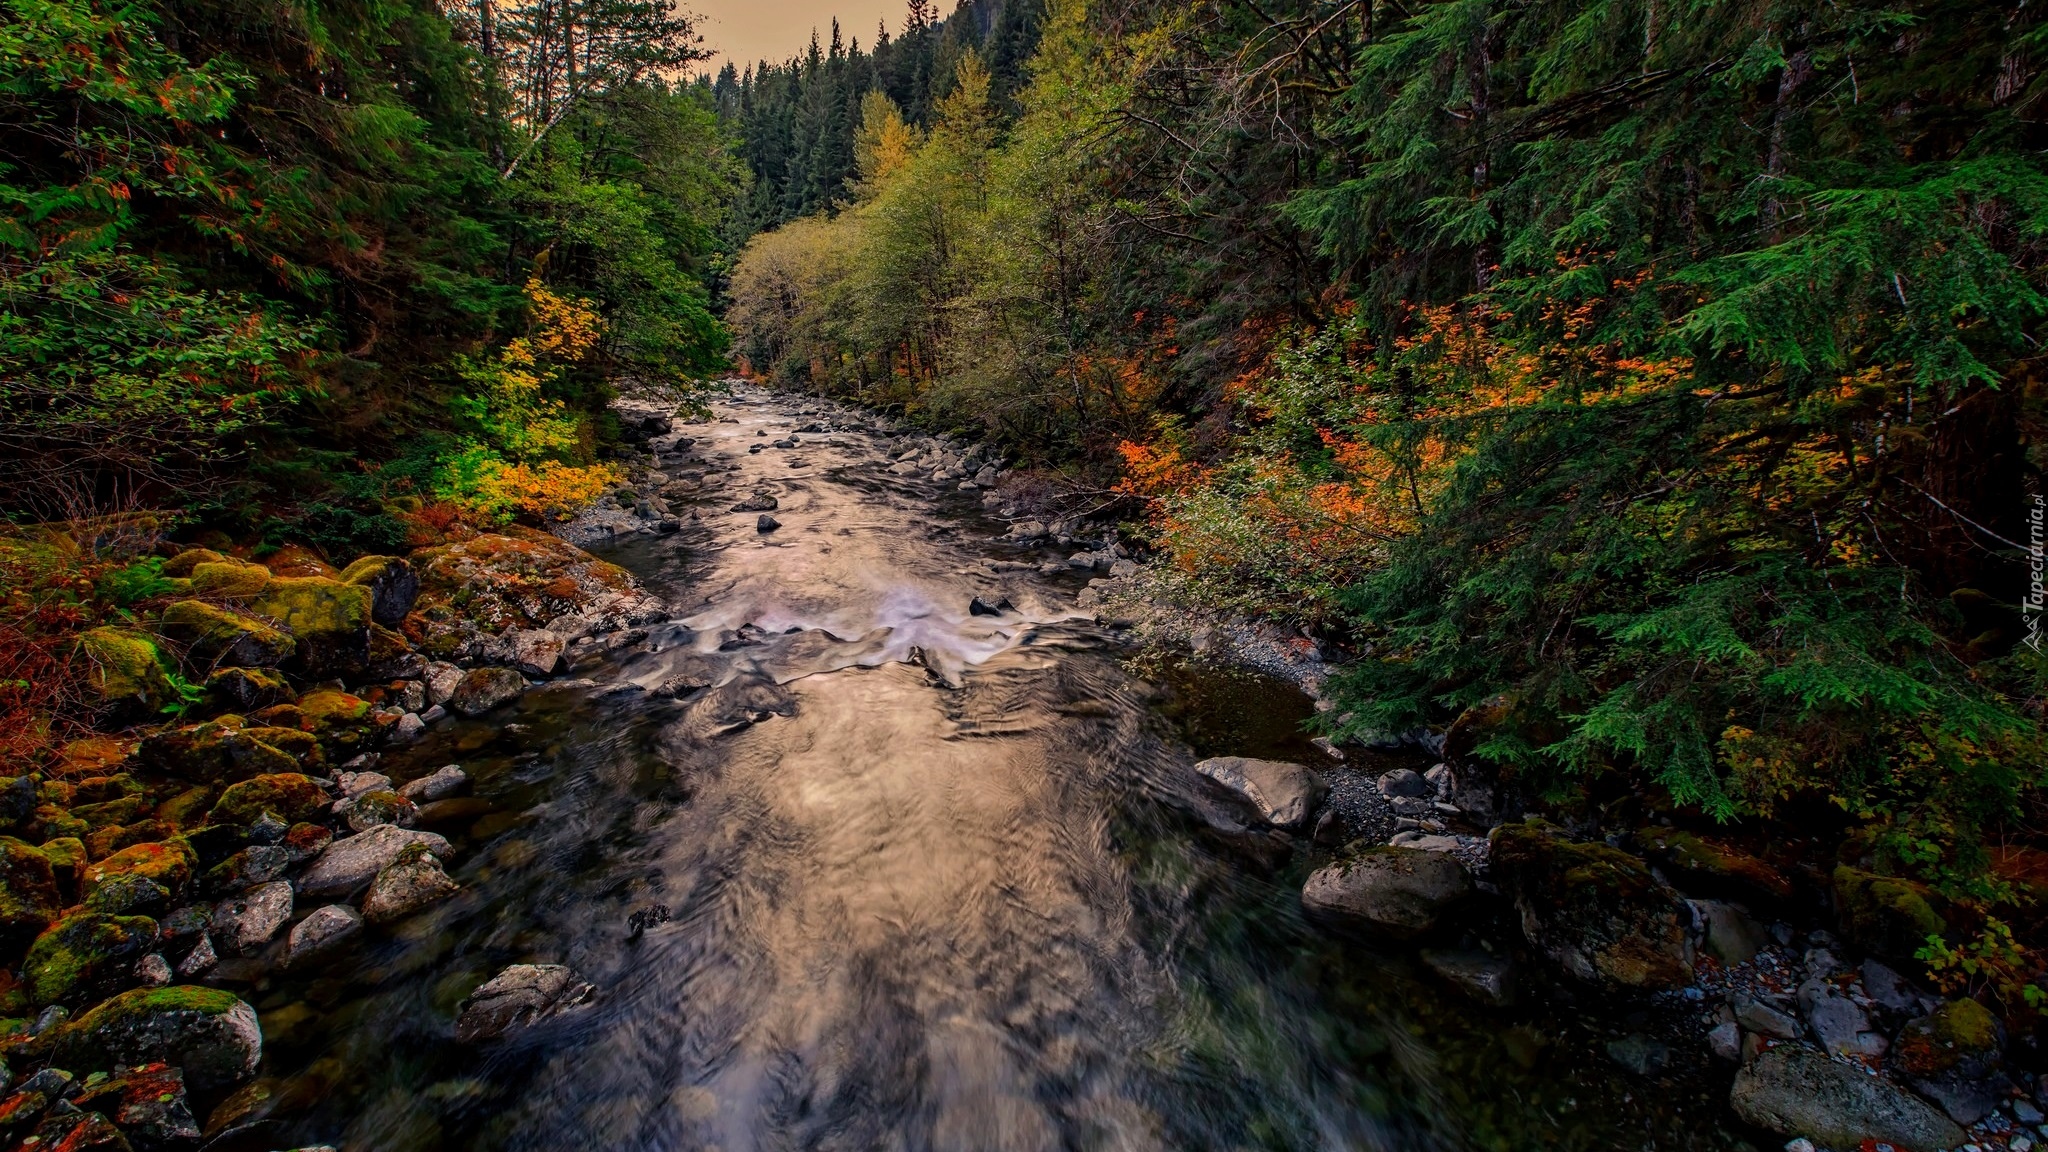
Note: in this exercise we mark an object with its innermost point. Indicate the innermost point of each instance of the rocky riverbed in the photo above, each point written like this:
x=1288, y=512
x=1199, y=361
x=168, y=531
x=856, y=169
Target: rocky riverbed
x=816, y=791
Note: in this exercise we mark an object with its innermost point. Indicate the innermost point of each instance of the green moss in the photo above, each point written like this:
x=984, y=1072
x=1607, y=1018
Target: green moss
x=188, y=808
x=315, y=605
x=368, y=568
x=168, y=862
x=112, y=813
x=127, y=668
x=1885, y=914
x=82, y=948
x=1961, y=1034
x=247, y=688
x=290, y=795
x=212, y=634
x=28, y=888
x=184, y=562
x=1714, y=868
x=231, y=579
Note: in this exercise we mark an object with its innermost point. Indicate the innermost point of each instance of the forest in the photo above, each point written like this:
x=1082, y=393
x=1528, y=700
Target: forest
x=1659, y=381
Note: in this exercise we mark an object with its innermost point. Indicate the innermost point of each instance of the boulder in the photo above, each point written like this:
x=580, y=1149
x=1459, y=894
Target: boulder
x=85, y=952
x=129, y=895
x=1765, y=1019
x=482, y=689
x=216, y=750
x=1594, y=910
x=229, y=579
x=291, y=795
x=243, y=924
x=440, y=680
x=1404, y=783
x=148, y=1102
x=1709, y=867
x=209, y=1034
x=407, y=885
x=1399, y=892
x=324, y=931
x=348, y=865
x=128, y=673
x=444, y=782
x=370, y=809
x=168, y=862
x=392, y=583
x=329, y=620
x=344, y=724
x=1840, y=1024
x=1284, y=795
x=472, y=590
x=1954, y=1056
x=1796, y=1091
x=516, y=998
x=1732, y=935
x=357, y=783
x=214, y=635
x=1886, y=915
x=29, y=899
x=248, y=867
x=181, y=565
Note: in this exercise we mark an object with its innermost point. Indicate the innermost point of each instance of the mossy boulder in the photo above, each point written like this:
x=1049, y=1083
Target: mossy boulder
x=329, y=619
x=85, y=951
x=113, y=813
x=344, y=724
x=214, y=751
x=1953, y=1056
x=56, y=820
x=67, y=858
x=1704, y=866
x=1593, y=909
x=101, y=843
x=290, y=795
x=188, y=808
x=229, y=579
x=184, y=562
x=1886, y=915
x=129, y=673
x=213, y=635
x=168, y=862
x=391, y=657
x=247, y=689
x=211, y=1035
x=29, y=898
x=392, y=583
x=127, y=894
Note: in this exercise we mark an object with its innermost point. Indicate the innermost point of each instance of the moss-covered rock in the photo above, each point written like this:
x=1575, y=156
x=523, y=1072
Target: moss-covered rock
x=210, y=1035
x=291, y=795
x=213, y=751
x=344, y=724
x=229, y=579
x=184, y=562
x=56, y=820
x=392, y=583
x=298, y=560
x=129, y=672
x=83, y=951
x=391, y=657
x=330, y=620
x=247, y=689
x=67, y=858
x=29, y=897
x=128, y=894
x=168, y=862
x=188, y=809
x=124, y=810
x=1593, y=909
x=1886, y=915
x=1704, y=866
x=213, y=635
x=101, y=843
x=471, y=591
x=1953, y=1056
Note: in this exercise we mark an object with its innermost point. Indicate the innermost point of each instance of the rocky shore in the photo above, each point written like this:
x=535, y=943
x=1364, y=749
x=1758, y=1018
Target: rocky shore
x=150, y=878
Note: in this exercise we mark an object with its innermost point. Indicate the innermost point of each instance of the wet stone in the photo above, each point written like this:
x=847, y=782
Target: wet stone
x=244, y=924
x=325, y=931
x=442, y=783
x=519, y=997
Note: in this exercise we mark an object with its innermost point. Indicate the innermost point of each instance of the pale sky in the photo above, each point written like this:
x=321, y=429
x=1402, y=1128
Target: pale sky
x=746, y=31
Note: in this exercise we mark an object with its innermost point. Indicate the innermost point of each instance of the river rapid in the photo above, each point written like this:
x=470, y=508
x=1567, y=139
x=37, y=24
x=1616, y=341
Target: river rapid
x=935, y=880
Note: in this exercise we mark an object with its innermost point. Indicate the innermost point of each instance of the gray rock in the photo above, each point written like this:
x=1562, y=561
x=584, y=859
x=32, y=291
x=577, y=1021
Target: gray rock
x=444, y=782
x=371, y=809
x=200, y=959
x=1404, y=782
x=1842, y=1028
x=440, y=680
x=244, y=924
x=434, y=714
x=1890, y=991
x=1284, y=795
x=408, y=729
x=766, y=523
x=1733, y=935
x=1398, y=891
x=153, y=971
x=482, y=689
x=534, y=651
x=1028, y=530
x=1483, y=976
x=357, y=783
x=1639, y=1054
x=408, y=884
x=1763, y=1019
x=322, y=933
x=519, y=997
x=1725, y=1041
x=986, y=478
x=348, y=865
x=1797, y=1091
x=1443, y=784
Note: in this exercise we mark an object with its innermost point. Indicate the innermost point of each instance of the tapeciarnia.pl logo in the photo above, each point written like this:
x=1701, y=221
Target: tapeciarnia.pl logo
x=2037, y=571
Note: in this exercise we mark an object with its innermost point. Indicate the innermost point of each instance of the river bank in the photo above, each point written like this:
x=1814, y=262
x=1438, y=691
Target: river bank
x=824, y=803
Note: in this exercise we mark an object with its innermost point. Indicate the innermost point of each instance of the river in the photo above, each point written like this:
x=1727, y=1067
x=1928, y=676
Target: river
x=937, y=880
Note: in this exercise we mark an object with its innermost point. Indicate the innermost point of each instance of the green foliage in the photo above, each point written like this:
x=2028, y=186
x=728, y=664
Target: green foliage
x=1994, y=964
x=132, y=583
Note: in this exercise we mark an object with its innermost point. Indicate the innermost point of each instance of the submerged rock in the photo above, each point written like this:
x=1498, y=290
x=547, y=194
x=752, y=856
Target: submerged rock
x=1396, y=891
x=1796, y=1091
x=1594, y=910
x=1284, y=795
x=444, y=782
x=519, y=997
x=1483, y=976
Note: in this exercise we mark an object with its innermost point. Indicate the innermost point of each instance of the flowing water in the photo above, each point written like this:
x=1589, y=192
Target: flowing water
x=938, y=881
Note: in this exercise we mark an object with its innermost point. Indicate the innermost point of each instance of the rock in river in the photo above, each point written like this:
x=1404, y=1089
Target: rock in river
x=322, y=933
x=350, y=864
x=518, y=997
x=482, y=689
x=244, y=924
x=1800, y=1092
x=444, y=782
x=1595, y=910
x=210, y=1034
x=408, y=884
x=1396, y=891
x=1283, y=794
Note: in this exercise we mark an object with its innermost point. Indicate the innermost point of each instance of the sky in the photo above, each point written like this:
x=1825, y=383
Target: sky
x=746, y=31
